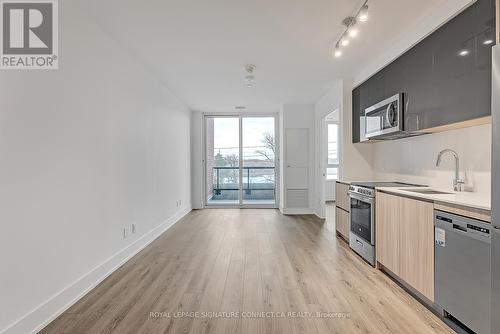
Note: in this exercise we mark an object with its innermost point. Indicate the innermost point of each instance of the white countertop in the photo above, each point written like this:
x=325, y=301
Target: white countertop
x=468, y=199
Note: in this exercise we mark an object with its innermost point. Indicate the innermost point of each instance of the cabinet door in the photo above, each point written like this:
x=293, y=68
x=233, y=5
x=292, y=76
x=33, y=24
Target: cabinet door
x=416, y=245
x=461, y=79
x=342, y=196
x=377, y=88
x=342, y=225
x=387, y=231
x=417, y=73
x=356, y=107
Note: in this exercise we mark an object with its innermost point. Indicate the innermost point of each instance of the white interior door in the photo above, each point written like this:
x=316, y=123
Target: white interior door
x=297, y=167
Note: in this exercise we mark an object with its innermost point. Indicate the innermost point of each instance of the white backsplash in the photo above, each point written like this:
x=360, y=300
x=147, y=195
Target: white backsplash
x=413, y=160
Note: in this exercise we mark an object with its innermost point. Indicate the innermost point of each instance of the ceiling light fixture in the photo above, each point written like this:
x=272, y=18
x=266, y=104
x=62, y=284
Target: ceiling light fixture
x=353, y=33
x=344, y=41
x=488, y=42
x=363, y=13
x=349, y=23
x=463, y=53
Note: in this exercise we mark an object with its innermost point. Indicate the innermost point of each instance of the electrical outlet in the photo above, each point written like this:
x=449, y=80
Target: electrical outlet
x=133, y=228
x=124, y=233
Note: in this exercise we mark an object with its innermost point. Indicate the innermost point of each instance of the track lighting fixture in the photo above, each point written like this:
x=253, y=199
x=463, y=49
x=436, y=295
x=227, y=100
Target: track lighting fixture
x=350, y=30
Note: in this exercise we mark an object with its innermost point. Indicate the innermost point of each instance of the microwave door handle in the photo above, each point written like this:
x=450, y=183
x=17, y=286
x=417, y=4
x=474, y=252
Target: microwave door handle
x=366, y=125
x=387, y=111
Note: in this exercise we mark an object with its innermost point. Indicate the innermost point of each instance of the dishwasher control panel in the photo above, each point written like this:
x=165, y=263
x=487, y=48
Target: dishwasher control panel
x=478, y=228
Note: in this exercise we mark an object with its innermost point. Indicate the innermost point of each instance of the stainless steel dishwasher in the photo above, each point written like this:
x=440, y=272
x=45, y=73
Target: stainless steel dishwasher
x=462, y=277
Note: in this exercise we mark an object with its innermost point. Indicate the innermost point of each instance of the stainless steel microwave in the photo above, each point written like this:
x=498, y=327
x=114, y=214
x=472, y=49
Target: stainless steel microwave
x=384, y=119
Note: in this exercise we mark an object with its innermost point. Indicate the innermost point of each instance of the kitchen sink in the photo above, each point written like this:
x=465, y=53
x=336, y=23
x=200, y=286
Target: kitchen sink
x=428, y=191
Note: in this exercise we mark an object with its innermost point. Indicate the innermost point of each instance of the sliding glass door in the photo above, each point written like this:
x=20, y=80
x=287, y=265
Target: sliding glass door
x=240, y=163
x=222, y=160
x=259, y=164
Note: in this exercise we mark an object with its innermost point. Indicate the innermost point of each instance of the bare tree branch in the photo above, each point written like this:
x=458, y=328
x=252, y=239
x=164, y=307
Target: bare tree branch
x=269, y=144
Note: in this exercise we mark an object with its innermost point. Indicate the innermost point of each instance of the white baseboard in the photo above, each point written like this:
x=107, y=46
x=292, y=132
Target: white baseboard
x=297, y=211
x=41, y=316
x=319, y=215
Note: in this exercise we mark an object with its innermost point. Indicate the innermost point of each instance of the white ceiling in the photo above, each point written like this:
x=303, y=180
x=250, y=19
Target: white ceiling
x=198, y=47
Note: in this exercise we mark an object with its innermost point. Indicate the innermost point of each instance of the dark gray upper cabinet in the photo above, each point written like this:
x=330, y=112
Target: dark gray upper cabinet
x=446, y=77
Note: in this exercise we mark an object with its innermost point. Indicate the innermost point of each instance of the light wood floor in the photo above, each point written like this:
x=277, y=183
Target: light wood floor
x=242, y=261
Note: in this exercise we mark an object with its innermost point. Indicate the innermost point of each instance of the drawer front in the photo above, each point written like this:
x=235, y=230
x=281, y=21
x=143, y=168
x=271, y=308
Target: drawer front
x=342, y=223
x=342, y=196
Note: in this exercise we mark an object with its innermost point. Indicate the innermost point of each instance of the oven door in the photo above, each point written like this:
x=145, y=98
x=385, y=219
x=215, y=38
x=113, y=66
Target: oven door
x=362, y=217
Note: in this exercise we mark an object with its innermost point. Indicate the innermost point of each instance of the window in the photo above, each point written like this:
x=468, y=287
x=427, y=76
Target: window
x=332, y=168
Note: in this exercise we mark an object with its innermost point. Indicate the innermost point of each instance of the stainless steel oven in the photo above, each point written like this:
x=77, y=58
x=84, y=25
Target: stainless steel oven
x=384, y=118
x=362, y=233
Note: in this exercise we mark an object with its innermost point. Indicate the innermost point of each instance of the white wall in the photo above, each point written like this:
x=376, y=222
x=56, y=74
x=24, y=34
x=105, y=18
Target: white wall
x=197, y=170
x=413, y=160
x=328, y=103
x=356, y=159
x=281, y=127
x=85, y=151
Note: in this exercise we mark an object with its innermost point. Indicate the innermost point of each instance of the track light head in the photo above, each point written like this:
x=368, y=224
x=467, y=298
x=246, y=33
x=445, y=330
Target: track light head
x=363, y=14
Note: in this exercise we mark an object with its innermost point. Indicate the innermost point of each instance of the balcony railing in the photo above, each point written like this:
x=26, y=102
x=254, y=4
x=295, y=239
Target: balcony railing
x=258, y=183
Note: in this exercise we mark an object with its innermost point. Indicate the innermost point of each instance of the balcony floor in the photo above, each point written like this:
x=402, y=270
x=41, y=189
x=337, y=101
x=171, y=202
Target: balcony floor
x=245, y=202
x=255, y=197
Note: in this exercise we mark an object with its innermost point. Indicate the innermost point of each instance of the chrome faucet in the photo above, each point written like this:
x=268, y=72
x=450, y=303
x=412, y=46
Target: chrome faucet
x=457, y=182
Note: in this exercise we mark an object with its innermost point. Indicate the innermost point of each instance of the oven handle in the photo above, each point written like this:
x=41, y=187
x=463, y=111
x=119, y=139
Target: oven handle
x=361, y=198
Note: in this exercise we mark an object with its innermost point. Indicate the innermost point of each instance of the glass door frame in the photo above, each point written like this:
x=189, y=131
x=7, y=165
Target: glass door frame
x=240, y=116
